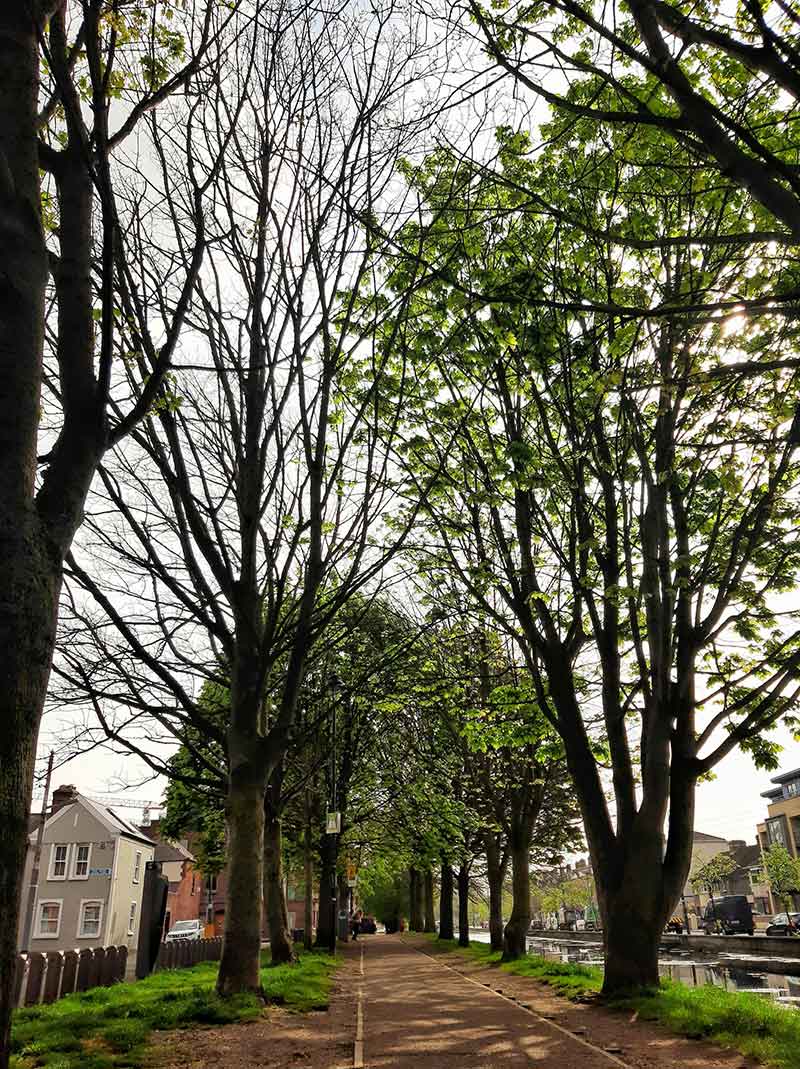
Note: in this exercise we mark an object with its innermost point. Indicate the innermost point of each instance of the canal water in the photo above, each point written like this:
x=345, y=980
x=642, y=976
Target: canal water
x=691, y=968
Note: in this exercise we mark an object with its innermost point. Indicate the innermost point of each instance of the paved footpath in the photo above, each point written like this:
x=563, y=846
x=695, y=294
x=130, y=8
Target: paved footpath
x=417, y=1013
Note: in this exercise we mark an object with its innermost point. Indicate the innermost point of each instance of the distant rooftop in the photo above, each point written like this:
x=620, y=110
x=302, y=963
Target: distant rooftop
x=105, y=814
x=703, y=837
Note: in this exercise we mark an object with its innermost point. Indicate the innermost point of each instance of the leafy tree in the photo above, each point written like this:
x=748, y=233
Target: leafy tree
x=714, y=874
x=782, y=873
x=718, y=84
x=623, y=514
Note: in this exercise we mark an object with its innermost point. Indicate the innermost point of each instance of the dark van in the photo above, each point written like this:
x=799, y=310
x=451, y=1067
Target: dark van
x=732, y=913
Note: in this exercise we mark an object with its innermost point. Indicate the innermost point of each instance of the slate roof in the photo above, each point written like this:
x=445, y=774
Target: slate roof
x=171, y=852
x=113, y=822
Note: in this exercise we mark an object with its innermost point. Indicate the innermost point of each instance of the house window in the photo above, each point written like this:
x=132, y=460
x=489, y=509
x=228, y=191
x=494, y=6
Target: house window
x=89, y=918
x=48, y=919
x=80, y=861
x=59, y=852
x=792, y=788
x=137, y=866
x=132, y=919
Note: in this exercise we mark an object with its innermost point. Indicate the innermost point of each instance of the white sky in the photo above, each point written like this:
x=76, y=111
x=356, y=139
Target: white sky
x=729, y=806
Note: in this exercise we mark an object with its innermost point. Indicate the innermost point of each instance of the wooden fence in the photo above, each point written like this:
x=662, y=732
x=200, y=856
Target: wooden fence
x=180, y=953
x=47, y=977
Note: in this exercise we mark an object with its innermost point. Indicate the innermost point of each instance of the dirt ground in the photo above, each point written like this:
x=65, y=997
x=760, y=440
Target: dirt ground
x=639, y=1044
x=278, y=1040
x=438, y=1011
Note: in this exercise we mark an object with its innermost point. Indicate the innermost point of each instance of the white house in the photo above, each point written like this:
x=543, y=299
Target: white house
x=91, y=877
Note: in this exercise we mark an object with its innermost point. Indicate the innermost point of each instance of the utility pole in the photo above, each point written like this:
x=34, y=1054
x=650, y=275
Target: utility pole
x=36, y=864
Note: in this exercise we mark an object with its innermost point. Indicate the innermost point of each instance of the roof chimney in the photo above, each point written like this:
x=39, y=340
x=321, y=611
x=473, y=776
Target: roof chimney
x=64, y=795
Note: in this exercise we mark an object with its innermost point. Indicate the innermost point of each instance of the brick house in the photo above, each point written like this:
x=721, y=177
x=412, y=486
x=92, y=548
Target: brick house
x=185, y=901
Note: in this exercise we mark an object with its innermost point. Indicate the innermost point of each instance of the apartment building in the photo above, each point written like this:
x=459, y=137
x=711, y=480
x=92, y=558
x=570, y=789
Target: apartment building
x=782, y=824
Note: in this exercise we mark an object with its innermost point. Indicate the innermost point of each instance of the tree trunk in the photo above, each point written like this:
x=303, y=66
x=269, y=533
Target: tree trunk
x=30, y=575
x=280, y=940
x=516, y=931
x=496, y=864
x=446, y=903
x=415, y=921
x=631, y=936
x=239, y=969
x=343, y=906
x=463, y=906
x=308, y=875
x=327, y=890
x=430, y=918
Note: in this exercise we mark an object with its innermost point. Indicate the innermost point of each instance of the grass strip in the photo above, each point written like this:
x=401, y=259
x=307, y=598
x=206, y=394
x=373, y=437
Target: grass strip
x=108, y=1027
x=754, y=1025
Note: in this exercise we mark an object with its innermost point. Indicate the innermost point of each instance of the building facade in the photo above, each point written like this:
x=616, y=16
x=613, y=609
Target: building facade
x=91, y=878
x=782, y=824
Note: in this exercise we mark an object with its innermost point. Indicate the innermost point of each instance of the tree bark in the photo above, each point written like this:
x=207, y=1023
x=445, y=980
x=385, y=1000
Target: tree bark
x=280, y=939
x=30, y=577
x=446, y=903
x=430, y=917
x=463, y=906
x=308, y=875
x=327, y=890
x=632, y=932
x=516, y=931
x=416, y=922
x=343, y=906
x=239, y=969
x=496, y=863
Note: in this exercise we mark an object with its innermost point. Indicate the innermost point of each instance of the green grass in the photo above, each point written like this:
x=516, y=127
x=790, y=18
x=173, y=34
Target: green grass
x=107, y=1027
x=750, y=1024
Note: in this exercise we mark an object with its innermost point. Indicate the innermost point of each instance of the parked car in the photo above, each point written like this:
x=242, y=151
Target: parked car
x=784, y=924
x=732, y=913
x=183, y=930
x=368, y=926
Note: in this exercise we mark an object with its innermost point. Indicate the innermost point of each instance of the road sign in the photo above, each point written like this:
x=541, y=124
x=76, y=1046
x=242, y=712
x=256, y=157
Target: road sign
x=99, y=872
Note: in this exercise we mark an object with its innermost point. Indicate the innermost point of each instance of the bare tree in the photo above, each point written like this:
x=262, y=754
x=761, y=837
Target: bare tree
x=80, y=82
x=253, y=508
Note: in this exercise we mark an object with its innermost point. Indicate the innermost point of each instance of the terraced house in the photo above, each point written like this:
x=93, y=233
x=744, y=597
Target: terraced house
x=91, y=877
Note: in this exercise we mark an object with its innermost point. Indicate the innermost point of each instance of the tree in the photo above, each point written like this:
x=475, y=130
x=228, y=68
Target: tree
x=720, y=84
x=251, y=513
x=713, y=875
x=782, y=873
x=82, y=82
x=620, y=512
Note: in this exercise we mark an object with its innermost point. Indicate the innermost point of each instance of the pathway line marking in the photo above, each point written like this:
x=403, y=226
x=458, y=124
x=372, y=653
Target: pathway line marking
x=358, y=1046
x=552, y=1024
